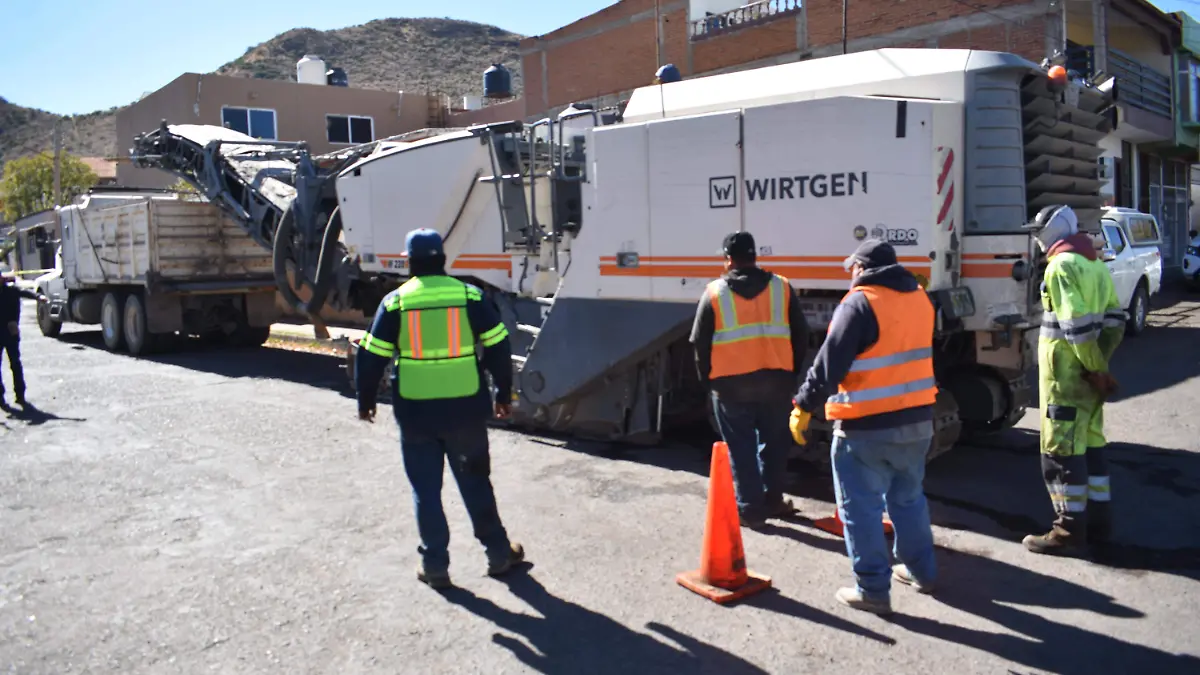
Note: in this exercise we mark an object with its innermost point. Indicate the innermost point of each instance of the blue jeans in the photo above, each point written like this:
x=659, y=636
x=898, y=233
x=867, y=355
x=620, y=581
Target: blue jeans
x=759, y=468
x=866, y=474
x=467, y=449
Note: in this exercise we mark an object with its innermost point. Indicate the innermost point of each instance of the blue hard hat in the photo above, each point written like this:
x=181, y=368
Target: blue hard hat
x=423, y=243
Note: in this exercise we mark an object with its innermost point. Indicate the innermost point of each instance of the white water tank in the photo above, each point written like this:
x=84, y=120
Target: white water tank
x=310, y=70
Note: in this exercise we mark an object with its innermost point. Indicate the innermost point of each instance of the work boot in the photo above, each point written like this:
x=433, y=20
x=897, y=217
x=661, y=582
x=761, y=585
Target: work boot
x=1058, y=541
x=516, y=556
x=852, y=597
x=781, y=508
x=436, y=580
x=902, y=574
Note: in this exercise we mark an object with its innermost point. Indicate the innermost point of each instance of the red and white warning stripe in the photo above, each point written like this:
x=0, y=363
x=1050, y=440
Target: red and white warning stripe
x=945, y=187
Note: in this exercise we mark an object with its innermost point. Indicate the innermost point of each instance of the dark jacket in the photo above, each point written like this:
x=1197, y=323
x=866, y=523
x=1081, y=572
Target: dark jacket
x=438, y=415
x=759, y=385
x=852, y=330
x=10, y=304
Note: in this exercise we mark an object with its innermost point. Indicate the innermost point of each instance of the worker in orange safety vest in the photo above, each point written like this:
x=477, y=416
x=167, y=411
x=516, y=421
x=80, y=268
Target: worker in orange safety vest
x=874, y=378
x=750, y=338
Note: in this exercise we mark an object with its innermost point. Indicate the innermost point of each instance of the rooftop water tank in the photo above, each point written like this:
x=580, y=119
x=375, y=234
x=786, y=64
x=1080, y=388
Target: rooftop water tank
x=336, y=77
x=310, y=70
x=667, y=74
x=497, y=82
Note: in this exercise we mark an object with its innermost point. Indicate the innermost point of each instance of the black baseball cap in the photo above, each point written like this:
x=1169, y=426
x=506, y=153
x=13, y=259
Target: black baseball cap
x=870, y=254
x=739, y=245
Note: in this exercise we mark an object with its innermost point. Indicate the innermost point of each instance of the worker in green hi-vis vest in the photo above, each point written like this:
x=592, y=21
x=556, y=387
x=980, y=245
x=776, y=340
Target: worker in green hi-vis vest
x=1082, y=325
x=431, y=328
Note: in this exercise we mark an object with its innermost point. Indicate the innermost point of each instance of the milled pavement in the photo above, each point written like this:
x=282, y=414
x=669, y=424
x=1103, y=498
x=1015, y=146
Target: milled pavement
x=225, y=511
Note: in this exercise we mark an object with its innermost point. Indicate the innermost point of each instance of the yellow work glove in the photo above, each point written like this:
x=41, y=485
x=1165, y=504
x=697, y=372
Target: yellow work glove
x=798, y=423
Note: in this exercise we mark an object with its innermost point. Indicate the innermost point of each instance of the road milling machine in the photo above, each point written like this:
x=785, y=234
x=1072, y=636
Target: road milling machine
x=595, y=231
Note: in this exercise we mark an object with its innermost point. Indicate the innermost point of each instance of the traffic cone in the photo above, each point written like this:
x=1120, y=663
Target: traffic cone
x=834, y=525
x=722, y=576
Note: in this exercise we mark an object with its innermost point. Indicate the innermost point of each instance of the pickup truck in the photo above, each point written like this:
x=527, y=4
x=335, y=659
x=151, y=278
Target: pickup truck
x=1131, y=251
x=1191, y=260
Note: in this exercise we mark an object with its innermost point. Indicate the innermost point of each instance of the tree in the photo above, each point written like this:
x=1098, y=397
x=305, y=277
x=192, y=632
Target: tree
x=28, y=183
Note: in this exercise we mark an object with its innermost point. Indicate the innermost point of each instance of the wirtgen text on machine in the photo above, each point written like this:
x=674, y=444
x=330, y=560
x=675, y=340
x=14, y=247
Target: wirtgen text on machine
x=820, y=185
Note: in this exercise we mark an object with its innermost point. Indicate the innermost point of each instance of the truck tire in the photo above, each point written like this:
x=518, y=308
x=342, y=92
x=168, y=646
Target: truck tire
x=46, y=323
x=138, y=338
x=1139, y=308
x=111, y=323
x=251, y=336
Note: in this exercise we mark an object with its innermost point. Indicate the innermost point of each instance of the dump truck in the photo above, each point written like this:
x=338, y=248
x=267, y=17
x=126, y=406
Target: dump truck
x=596, y=231
x=148, y=266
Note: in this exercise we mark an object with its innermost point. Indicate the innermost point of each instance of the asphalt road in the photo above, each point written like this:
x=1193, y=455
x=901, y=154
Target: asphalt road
x=226, y=512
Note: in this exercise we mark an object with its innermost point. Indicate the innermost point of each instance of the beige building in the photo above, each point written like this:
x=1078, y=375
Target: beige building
x=327, y=117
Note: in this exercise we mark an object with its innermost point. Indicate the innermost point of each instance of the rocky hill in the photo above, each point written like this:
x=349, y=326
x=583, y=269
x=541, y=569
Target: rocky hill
x=442, y=55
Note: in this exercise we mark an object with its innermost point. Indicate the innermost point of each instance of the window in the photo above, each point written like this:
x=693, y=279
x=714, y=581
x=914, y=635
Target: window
x=1113, y=236
x=1143, y=231
x=349, y=129
x=256, y=122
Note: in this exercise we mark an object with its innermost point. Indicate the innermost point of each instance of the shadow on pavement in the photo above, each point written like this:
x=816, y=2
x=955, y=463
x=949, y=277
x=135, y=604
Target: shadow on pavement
x=1005, y=498
x=569, y=638
x=978, y=585
x=316, y=370
x=33, y=416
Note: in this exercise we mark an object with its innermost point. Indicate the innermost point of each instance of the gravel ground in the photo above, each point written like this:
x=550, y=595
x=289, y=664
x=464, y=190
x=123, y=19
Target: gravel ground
x=226, y=512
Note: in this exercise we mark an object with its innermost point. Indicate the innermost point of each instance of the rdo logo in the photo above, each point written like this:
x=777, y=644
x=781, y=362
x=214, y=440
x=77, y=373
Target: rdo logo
x=902, y=236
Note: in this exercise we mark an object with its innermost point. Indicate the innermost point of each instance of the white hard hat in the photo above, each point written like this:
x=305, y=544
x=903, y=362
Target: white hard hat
x=1053, y=224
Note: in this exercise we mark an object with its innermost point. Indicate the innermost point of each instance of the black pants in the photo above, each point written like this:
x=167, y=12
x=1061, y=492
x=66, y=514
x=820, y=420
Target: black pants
x=1079, y=490
x=12, y=347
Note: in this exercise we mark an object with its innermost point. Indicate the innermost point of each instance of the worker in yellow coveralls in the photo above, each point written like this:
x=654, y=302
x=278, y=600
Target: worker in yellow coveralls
x=1082, y=324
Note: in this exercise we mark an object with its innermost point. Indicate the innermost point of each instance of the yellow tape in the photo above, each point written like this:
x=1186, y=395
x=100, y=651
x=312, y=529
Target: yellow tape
x=38, y=272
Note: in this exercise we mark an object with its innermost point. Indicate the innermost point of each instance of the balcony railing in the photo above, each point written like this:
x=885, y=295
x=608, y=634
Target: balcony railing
x=1138, y=85
x=745, y=16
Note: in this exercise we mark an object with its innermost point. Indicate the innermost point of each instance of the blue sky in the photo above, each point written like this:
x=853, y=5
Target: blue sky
x=76, y=56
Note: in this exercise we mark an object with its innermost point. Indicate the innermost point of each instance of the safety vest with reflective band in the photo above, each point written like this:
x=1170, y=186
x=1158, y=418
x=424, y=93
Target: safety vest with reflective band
x=896, y=372
x=751, y=334
x=435, y=346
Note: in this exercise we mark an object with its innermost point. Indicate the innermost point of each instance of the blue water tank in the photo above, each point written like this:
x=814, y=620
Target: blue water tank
x=336, y=77
x=668, y=73
x=497, y=82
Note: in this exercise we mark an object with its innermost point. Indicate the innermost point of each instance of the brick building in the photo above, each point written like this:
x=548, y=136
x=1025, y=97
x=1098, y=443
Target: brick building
x=617, y=49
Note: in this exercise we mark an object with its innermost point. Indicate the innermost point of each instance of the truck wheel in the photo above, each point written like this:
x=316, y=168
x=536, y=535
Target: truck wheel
x=251, y=336
x=138, y=338
x=46, y=323
x=1139, y=308
x=110, y=322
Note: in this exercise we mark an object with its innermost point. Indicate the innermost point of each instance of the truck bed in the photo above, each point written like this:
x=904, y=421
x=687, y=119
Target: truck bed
x=163, y=243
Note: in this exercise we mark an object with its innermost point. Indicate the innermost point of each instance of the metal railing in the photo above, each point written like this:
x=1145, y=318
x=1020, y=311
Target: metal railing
x=1138, y=84
x=752, y=14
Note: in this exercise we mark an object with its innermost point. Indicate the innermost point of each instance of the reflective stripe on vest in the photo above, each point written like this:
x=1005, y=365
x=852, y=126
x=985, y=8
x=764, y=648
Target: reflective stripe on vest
x=435, y=356
x=750, y=334
x=897, y=371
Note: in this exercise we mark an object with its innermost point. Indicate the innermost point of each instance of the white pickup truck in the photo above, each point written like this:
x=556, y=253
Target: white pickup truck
x=1131, y=251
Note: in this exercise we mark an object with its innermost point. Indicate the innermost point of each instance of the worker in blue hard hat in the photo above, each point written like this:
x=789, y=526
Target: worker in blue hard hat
x=431, y=328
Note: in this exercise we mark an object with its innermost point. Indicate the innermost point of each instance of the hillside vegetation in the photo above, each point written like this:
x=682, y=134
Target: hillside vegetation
x=440, y=55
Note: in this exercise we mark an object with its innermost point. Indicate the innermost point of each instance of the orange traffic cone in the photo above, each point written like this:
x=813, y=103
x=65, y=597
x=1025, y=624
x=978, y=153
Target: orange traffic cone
x=834, y=525
x=722, y=576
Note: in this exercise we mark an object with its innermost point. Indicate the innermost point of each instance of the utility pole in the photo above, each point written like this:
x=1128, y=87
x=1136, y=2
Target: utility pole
x=845, y=12
x=57, y=158
x=657, y=35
